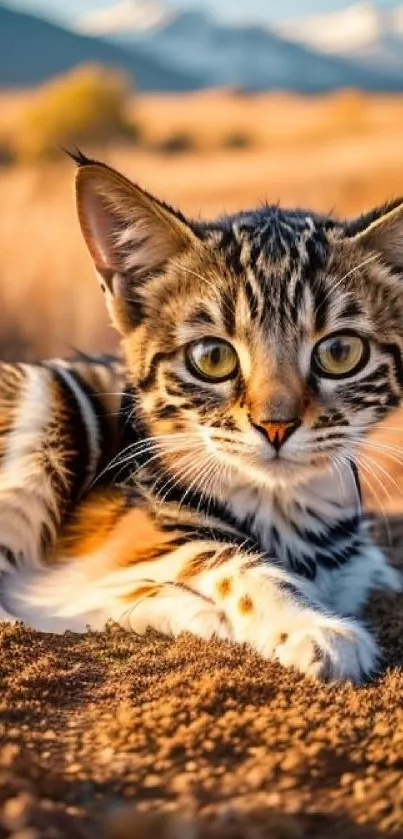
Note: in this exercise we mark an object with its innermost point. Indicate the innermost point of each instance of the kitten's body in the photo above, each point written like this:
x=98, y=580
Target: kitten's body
x=229, y=506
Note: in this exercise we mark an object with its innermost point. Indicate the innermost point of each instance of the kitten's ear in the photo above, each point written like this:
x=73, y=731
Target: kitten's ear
x=130, y=234
x=382, y=231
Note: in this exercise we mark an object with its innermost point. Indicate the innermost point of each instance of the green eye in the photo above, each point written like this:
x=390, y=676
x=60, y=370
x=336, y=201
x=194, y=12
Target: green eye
x=340, y=355
x=212, y=360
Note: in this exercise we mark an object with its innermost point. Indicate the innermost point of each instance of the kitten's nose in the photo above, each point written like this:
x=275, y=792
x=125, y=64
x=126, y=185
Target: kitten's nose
x=278, y=431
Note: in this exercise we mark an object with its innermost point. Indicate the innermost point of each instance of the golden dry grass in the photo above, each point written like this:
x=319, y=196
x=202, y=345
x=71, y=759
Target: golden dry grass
x=341, y=152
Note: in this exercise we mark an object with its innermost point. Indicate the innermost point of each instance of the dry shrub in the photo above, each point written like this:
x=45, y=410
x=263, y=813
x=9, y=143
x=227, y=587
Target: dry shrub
x=86, y=105
x=178, y=142
x=237, y=139
x=6, y=154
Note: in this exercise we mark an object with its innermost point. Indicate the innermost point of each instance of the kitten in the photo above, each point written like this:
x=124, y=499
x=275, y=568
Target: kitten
x=260, y=349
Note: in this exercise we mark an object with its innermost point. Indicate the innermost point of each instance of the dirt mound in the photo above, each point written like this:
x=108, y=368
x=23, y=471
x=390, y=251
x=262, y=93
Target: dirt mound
x=110, y=735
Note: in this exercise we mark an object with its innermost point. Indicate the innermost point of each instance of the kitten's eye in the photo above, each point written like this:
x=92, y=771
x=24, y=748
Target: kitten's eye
x=212, y=360
x=340, y=355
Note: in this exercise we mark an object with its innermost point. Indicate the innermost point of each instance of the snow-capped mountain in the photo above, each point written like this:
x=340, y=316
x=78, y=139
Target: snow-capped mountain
x=368, y=35
x=351, y=30
x=244, y=56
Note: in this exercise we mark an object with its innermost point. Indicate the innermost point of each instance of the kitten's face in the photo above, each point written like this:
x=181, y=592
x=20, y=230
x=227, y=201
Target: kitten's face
x=262, y=348
x=267, y=374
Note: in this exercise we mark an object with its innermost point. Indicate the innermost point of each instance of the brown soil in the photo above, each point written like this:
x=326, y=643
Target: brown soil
x=125, y=737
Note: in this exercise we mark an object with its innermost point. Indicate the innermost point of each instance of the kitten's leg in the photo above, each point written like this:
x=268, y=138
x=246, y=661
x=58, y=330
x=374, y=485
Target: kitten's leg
x=279, y=615
x=51, y=444
x=115, y=562
x=65, y=598
x=276, y=613
x=127, y=565
x=172, y=609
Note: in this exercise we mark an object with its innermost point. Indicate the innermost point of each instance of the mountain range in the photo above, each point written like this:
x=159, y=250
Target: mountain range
x=184, y=50
x=254, y=57
x=33, y=50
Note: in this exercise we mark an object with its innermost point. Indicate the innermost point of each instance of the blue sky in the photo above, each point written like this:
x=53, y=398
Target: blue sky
x=265, y=11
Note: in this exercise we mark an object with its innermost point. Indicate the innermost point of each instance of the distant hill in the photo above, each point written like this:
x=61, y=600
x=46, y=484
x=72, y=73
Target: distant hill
x=253, y=57
x=32, y=50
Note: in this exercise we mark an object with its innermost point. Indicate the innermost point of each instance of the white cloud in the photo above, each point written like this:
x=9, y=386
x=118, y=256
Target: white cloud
x=123, y=16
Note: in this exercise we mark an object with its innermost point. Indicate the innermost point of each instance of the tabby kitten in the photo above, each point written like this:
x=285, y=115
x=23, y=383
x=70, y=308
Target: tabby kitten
x=260, y=349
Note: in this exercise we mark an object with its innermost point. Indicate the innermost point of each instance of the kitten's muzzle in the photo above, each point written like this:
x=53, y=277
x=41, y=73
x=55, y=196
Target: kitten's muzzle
x=278, y=432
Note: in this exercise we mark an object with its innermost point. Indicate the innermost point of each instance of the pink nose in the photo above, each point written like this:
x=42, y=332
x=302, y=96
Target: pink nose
x=279, y=432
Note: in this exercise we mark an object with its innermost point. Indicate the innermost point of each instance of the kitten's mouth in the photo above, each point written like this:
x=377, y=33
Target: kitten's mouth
x=270, y=467
x=283, y=467
x=279, y=463
x=295, y=461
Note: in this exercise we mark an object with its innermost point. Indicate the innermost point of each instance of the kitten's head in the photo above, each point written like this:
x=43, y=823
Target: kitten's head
x=262, y=346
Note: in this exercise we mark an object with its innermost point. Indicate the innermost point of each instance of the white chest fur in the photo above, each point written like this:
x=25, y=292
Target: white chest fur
x=318, y=530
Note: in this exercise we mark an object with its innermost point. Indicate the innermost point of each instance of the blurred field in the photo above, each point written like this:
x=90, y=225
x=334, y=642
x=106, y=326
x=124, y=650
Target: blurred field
x=341, y=153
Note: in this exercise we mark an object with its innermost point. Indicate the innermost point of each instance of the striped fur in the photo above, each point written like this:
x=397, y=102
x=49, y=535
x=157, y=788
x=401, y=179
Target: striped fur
x=231, y=507
x=59, y=428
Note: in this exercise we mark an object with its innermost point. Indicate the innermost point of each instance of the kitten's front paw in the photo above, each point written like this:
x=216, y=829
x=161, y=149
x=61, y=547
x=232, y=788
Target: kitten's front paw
x=268, y=611
x=329, y=649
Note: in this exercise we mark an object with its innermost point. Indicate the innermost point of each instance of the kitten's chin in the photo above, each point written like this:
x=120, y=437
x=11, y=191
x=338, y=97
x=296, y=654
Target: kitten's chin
x=280, y=472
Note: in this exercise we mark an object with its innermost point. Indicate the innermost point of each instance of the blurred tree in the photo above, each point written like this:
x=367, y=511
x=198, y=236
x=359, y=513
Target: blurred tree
x=87, y=105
